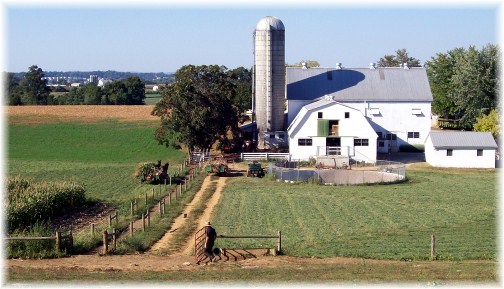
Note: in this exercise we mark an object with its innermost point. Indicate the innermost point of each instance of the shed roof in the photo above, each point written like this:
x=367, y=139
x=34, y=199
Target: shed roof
x=466, y=139
x=359, y=84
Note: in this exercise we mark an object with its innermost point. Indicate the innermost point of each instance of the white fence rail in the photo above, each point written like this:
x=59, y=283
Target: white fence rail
x=264, y=156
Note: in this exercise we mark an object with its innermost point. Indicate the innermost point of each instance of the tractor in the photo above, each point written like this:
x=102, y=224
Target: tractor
x=255, y=169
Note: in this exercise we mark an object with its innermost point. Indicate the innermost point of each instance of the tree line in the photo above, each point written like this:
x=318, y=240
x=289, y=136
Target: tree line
x=32, y=89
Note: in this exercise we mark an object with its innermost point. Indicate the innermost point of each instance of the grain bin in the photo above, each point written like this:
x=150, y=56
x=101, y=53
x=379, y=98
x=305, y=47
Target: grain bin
x=269, y=77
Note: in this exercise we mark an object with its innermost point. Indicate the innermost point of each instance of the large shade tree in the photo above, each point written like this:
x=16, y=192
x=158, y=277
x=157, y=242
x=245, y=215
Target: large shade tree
x=196, y=110
x=464, y=83
x=33, y=87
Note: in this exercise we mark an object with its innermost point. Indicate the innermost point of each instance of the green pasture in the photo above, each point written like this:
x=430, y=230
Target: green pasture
x=381, y=221
x=102, y=156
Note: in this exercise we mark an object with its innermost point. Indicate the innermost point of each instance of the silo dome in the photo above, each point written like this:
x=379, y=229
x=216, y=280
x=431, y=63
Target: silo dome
x=270, y=23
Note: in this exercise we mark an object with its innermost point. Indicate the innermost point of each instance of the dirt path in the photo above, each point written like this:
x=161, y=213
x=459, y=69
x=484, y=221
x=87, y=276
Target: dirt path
x=165, y=243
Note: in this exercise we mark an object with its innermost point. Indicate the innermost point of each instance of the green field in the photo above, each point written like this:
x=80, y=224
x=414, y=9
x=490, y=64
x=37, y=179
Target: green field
x=380, y=221
x=100, y=156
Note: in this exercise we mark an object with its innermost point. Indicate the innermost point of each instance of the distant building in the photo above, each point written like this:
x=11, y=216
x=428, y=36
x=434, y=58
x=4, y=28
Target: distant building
x=155, y=88
x=102, y=82
x=93, y=79
x=75, y=84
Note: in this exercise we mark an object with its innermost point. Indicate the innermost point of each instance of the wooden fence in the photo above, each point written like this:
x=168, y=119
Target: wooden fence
x=58, y=237
x=200, y=240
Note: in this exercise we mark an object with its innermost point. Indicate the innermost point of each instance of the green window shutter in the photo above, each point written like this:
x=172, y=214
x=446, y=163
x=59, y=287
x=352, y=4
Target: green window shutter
x=323, y=127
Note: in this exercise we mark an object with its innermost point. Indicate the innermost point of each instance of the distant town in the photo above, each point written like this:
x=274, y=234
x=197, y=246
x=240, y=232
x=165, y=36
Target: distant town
x=100, y=78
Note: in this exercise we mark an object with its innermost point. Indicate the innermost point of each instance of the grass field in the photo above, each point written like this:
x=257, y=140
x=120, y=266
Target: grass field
x=382, y=221
x=100, y=154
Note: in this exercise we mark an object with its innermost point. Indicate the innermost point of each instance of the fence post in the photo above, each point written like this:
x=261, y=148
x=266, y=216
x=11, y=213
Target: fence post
x=433, y=245
x=58, y=241
x=131, y=228
x=279, y=241
x=143, y=223
x=114, y=238
x=92, y=229
x=105, y=242
x=148, y=218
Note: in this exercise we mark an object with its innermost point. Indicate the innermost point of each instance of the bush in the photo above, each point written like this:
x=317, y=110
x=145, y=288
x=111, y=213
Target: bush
x=29, y=203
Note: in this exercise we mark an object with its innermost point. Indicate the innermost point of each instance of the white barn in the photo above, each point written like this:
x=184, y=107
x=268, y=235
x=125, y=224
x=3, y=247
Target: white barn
x=329, y=128
x=460, y=149
x=395, y=102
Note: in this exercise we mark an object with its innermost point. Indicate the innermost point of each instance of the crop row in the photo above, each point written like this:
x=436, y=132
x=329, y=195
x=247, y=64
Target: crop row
x=30, y=202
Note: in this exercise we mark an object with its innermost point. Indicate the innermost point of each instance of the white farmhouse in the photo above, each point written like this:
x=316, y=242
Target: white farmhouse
x=460, y=149
x=394, y=102
x=329, y=128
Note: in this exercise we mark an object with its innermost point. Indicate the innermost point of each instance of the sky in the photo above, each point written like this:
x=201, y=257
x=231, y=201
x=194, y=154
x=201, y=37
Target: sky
x=156, y=37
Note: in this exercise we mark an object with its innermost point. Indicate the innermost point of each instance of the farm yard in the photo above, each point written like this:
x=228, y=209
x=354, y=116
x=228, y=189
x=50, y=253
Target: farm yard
x=375, y=233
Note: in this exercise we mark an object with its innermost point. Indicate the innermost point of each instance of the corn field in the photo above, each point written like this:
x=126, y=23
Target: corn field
x=29, y=202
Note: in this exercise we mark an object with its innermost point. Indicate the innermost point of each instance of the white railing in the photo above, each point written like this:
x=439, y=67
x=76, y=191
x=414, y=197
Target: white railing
x=333, y=151
x=264, y=156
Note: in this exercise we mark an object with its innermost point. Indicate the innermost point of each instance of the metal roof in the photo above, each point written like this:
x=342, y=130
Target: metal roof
x=359, y=84
x=466, y=139
x=270, y=23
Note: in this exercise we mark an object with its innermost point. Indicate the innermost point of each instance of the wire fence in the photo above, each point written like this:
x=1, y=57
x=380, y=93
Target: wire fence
x=357, y=173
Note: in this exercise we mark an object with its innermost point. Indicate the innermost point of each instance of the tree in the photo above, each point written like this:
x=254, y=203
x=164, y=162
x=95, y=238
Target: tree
x=474, y=84
x=13, y=91
x=135, y=90
x=34, y=89
x=464, y=83
x=309, y=63
x=92, y=94
x=196, y=109
x=440, y=72
x=400, y=58
x=489, y=123
x=242, y=78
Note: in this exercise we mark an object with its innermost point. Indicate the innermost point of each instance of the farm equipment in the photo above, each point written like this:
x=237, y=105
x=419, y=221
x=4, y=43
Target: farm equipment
x=255, y=169
x=219, y=169
x=154, y=173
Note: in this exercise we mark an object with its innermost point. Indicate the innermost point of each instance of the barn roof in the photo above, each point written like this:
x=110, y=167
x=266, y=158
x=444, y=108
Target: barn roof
x=359, y=84
x=466, y=139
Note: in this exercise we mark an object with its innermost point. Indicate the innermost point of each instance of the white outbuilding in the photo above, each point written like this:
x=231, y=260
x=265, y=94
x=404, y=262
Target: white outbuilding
x=460, y=149
x=329, y=128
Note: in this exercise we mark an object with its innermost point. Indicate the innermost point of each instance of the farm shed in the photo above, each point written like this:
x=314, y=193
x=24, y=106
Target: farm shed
x=329, y=128
x=460, y=149
x=396, y=101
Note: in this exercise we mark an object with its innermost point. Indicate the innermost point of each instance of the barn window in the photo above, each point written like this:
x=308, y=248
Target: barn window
x=304, y=142
x=381, y=144
x=391, y=136
x=479, y=153
x=347, y=115
x=449, y=152
x=320, y=114
x=361, y=142
x=413, y=134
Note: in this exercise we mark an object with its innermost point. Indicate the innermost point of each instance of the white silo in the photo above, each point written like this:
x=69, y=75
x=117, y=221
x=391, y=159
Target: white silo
x=269, y=77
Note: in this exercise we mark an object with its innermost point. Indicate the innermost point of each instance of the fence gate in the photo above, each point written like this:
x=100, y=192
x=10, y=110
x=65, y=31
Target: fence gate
x=199, y=245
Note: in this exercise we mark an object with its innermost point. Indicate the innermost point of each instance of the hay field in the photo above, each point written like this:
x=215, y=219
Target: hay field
x=80, y=113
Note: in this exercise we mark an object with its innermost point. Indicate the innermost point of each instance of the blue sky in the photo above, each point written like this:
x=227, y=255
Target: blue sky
x=162, y=38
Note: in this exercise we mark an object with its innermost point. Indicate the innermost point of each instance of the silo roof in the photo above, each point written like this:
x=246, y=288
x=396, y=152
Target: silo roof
x=270, y=23
x=466, y=139
x=359, y=84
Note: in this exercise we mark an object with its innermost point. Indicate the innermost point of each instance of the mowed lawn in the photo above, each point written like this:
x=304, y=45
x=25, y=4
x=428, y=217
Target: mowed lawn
x=380, y=221
x=102, y=156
